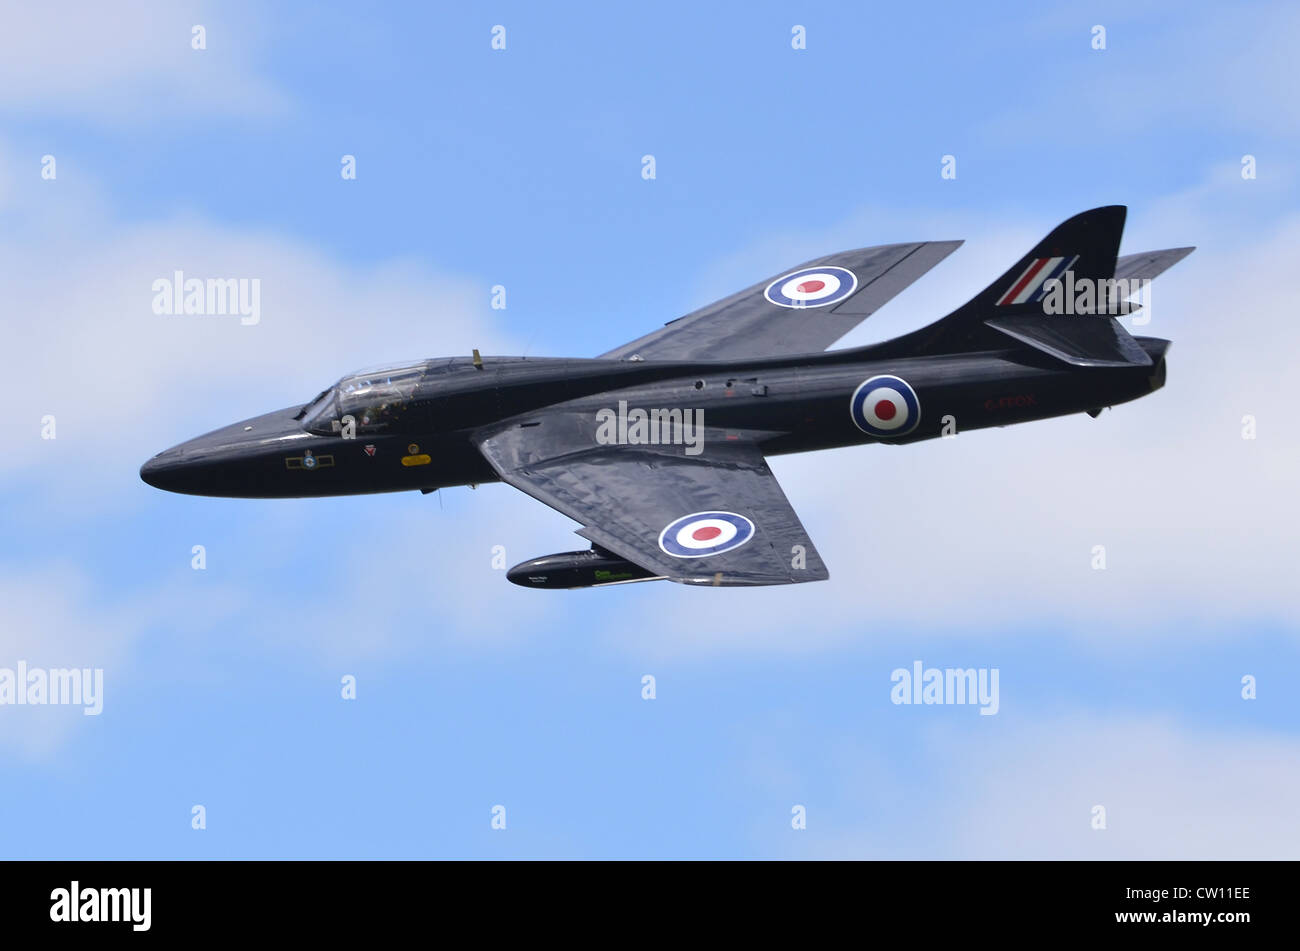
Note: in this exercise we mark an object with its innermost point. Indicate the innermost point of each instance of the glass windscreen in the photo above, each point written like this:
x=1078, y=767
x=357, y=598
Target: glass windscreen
x=376, y=401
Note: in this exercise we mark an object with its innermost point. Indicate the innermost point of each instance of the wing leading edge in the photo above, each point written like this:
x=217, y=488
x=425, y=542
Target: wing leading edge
x=646, y=502
x=763, y=320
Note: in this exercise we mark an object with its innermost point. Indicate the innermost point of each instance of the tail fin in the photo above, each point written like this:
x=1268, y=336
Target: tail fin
x=1086, y=245
x=1099, y=340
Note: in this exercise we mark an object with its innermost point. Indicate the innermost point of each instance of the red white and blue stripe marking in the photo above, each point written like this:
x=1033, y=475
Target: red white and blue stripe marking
x=1030, y=286
x=817, y=286
x=705, y=533
x=885, y=406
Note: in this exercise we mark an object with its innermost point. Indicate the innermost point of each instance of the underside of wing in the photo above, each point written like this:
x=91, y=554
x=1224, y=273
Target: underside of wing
x=718, y=517
x=803, y=310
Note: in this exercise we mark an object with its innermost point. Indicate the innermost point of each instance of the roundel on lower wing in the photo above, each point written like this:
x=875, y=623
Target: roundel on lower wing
x=885, y=406
x=812, y=287
x=705, y=533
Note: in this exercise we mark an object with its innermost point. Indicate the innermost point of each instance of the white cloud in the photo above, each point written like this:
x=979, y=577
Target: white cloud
x=124, y=383
x=132, y=60
x=1169, y=792
x=51, y=617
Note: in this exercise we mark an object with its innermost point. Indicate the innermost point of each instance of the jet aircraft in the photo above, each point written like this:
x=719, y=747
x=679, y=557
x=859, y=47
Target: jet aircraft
x=659, y=447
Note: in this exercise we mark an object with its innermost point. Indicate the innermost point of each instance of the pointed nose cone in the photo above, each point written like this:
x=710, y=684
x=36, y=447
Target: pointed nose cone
x=163, y=470
x=243, y=460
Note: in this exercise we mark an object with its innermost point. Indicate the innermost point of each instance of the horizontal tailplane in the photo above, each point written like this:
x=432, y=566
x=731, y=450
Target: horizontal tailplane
x=1081, y=341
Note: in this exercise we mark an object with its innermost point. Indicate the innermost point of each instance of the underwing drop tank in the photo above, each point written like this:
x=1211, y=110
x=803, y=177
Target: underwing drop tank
x=577, y=569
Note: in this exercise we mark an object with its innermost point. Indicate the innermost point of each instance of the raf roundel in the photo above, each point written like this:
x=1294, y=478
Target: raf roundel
x=817, y=286
x=705, y=533
x=885, y=406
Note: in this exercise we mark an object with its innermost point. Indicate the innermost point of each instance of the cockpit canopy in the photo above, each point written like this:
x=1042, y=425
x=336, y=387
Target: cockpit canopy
x=375, y=400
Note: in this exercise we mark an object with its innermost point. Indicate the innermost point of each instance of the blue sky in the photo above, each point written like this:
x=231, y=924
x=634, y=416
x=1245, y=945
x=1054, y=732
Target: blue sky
x=522, y=167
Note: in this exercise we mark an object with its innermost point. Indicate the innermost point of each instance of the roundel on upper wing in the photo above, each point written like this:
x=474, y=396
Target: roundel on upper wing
x=705, y=533
x=885, y=406
x=815, y=286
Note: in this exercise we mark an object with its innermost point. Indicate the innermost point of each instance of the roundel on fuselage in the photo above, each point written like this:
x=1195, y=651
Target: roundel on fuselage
x=885, y=406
